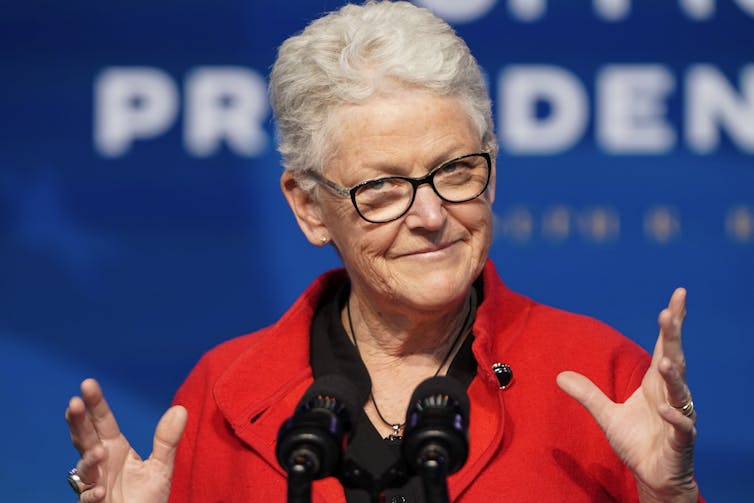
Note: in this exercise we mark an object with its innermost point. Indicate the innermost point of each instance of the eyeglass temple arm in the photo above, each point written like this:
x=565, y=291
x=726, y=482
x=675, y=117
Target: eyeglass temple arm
x=334, y=187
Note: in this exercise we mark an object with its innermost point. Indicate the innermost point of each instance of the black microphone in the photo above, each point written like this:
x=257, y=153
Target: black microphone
x=435, y=442
x=310, y=443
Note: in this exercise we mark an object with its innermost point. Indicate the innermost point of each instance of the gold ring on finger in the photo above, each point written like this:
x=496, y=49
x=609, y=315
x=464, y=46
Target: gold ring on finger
x=687, y=408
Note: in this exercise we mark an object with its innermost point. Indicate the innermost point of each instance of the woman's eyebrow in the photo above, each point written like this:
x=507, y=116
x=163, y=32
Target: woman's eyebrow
x=381, y=169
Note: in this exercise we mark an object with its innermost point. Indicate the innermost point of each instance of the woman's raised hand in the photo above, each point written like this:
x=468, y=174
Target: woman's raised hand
x=653, y=432
x=112, y=471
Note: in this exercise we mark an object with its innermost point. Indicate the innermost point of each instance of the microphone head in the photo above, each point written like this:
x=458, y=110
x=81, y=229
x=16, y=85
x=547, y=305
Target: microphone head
x=440, y=391
x=313, y=439
x=331, y=392
x=437, y=424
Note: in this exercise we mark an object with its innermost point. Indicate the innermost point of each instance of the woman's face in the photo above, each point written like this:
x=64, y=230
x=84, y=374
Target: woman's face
x=428, y=258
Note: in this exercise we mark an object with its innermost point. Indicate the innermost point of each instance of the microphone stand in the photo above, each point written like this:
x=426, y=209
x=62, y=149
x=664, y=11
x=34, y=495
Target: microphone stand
x=299, y=485
x=302, y=471
x=436, y=442
x=310, y=443
x=433, y=471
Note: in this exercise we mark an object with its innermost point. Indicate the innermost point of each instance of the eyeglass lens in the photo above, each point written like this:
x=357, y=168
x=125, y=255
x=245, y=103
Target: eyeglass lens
x=456, y=181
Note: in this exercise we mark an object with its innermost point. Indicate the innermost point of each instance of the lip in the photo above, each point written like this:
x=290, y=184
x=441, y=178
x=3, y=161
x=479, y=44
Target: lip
x=428, y=250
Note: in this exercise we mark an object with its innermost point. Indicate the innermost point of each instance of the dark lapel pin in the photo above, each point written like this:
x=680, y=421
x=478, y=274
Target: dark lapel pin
x=503, y=373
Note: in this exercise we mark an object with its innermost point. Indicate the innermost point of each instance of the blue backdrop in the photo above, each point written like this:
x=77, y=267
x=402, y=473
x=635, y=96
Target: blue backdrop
x=141, y=221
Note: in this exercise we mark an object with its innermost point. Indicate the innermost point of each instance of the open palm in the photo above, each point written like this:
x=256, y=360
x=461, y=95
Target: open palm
x=112, y=468
x=652, y=437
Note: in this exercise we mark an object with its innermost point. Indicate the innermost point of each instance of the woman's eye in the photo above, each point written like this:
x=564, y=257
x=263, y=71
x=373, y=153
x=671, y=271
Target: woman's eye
x=456, y=169
x=375, y=185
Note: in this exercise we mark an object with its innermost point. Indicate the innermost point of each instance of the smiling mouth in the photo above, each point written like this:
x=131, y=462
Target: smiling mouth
x=429, y=249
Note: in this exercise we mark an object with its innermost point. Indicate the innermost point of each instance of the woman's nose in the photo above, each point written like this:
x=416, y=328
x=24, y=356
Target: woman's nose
x=428, y=210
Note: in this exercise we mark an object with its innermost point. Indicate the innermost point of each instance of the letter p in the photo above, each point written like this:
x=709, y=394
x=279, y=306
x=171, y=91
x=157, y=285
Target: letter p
x=131, y=103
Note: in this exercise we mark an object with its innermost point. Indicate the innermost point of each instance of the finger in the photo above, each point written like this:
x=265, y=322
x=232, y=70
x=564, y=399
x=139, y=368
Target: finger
x=83, y=434
x=98, y=410
x=88, y=466
x=678, y=393
x=588, y=395
x=671, y=323
x=684, y=431
x=93, y=495
x=168, y=434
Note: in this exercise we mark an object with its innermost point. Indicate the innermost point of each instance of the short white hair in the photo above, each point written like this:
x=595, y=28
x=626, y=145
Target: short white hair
x=358, y=51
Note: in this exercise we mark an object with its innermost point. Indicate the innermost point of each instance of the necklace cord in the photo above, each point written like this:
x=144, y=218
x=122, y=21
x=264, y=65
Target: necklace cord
x=397, y=427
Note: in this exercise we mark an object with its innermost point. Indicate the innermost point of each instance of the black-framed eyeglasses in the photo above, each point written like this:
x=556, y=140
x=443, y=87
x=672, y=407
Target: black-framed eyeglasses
x=388, y=198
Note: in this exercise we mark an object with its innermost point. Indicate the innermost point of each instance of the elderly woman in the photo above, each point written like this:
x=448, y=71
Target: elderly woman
x=387, y=139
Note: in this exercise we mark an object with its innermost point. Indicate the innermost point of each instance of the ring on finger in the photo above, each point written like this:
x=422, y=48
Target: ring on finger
x=686, y=408
x=78, y=485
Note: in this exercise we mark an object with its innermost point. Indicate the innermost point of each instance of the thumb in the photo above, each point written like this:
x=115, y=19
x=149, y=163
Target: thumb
x=585, y=392
x=167, y=434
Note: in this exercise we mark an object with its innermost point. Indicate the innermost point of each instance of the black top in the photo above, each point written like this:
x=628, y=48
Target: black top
x=333, y=353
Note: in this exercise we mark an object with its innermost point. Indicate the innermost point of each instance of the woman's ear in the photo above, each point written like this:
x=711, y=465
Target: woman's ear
x=306, y=209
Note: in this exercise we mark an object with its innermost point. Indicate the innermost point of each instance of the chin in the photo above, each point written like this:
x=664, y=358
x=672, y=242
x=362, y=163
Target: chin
x=436, y=290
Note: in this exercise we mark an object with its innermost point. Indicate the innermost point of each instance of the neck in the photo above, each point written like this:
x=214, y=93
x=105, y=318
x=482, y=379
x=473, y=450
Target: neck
x=398, y=356
x=398, y=338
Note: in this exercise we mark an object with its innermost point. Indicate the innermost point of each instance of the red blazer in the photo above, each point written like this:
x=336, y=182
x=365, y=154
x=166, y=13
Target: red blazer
x=530, y=442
